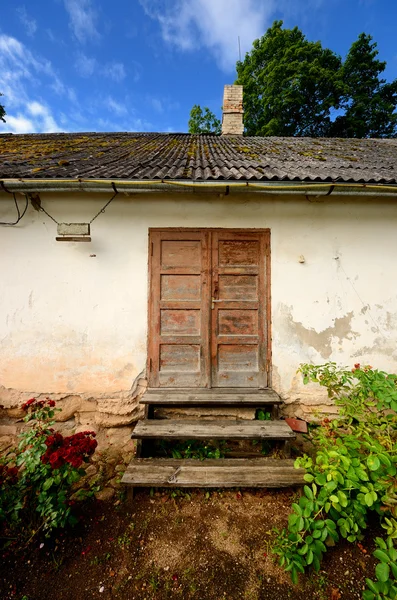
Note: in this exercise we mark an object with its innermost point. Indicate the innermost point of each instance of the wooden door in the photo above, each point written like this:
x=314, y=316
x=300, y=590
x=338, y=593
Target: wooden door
x=209, y=308
x=238, y=332
x=179, y=309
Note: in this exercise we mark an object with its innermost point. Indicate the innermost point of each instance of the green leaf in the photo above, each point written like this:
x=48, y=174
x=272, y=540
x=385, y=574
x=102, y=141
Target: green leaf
x=309, y=558
x=393, y=567
x=320, y=546
x=292, y=519
x=368, y=499
x=320, y=480
x=368, y=595
x=48, y=483
x=294, y=576
x=381, y=542
x=297, y=509
x=303, y=550
x=308, y=492
x=373, y=463
x=316, y=563
x=342, y=498
x=309, y=508
x=307, y=477
x=382, y=556
x=382, y=571
x=393, y=553
x=316, y=534
x=371, y=585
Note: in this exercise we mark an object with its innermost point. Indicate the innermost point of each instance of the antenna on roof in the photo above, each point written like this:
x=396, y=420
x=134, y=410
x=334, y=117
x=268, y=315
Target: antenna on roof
x=239, y=48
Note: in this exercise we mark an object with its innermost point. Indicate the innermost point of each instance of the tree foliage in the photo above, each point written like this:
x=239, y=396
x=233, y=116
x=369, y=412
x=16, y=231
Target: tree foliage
x=2, y=112
x=369, y=102
x=292, y=87
x=203, y=121
x=290, y=84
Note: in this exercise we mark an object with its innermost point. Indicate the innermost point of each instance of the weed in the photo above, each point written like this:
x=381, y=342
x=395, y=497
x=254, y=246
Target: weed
x=124, y=540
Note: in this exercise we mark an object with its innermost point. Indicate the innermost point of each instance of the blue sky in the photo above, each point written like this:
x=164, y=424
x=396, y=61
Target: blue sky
x=140, y=65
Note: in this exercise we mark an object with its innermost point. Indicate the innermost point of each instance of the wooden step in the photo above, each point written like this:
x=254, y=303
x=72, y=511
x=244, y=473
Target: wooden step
x=210, y=430
x=215, y=396
x=209, y=473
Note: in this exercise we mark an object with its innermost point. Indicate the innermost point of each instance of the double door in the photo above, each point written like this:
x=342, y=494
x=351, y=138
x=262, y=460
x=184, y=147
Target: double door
x=209, y=313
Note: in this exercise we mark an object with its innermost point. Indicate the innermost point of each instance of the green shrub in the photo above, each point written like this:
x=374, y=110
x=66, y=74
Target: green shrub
x=36, y=491
x=351, y=474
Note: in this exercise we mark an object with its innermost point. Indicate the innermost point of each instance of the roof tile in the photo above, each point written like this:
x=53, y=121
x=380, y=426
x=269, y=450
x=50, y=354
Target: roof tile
x=156, y=156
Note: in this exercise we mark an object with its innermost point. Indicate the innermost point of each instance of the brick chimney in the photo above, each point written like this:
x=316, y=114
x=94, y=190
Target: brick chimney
x=232, y=118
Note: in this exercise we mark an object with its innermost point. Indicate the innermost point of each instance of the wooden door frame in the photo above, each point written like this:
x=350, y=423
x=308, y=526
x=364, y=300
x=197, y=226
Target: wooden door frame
x=267, y=282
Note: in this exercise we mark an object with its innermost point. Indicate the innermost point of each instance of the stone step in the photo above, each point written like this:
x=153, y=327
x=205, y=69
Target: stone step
x=211, y=473
x=211, y=397
x=184, y=429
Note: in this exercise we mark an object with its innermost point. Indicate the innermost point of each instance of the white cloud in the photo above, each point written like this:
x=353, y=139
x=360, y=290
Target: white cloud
x=115, y=107
x=115, y=71
x=28, y=22
x=23, y=76
x=217, y=24
x=212, y=24
x=18, y=66
x=36, y=118
x=82, y=19
x=85, y=65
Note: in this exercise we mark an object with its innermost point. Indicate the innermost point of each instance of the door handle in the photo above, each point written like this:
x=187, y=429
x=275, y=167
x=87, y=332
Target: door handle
x=221, y=300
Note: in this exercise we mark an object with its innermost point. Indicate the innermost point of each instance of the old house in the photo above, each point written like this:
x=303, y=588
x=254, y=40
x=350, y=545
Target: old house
x=191, y=262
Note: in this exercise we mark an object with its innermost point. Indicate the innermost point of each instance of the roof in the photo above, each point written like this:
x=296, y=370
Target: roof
x=174, y=156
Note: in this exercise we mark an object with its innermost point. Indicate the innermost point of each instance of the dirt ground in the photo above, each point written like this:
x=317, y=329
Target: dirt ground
x=188, y=545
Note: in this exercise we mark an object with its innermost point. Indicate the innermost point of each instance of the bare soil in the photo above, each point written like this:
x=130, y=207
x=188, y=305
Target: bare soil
x=188, y=545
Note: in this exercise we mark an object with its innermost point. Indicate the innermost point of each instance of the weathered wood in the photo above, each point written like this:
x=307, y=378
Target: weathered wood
x=211, y=397
x=209, y=308
x=73, y=238
x=254, y=472
x=178, y=308
x=208, y=430
x=239, y=355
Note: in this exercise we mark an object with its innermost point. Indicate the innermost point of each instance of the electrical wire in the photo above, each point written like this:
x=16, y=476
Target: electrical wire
x=93, y=218
x=20, y=216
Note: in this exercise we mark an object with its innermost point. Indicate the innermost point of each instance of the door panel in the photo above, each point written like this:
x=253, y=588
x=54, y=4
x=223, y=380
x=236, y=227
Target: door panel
x=238, y=309
x=179, y=309
x=208, y=308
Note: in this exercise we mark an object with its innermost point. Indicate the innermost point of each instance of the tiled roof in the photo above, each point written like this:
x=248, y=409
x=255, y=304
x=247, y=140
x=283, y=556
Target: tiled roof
x=157, y=156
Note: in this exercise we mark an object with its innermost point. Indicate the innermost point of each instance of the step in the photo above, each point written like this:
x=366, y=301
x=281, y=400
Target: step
x=215, y=396
x=183, y=429
x=209, y=473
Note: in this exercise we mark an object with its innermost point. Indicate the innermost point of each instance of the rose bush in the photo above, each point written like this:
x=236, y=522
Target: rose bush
x=37, y=488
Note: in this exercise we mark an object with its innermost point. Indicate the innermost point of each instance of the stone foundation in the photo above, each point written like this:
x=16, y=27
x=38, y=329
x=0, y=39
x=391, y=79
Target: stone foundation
x=112, y=418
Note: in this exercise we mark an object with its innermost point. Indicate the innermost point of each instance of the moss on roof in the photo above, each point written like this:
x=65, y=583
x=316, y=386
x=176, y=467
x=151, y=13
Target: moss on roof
x=150, y=156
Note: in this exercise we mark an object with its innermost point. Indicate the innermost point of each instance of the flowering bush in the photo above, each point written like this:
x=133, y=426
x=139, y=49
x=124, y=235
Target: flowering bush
x=352, y=473
x=47, y=465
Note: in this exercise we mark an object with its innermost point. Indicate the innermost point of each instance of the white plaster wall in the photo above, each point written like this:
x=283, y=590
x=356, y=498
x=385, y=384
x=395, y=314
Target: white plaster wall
x=73, y=315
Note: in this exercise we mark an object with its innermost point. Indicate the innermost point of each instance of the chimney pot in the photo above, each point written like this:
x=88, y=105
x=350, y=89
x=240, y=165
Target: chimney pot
x=232, y=118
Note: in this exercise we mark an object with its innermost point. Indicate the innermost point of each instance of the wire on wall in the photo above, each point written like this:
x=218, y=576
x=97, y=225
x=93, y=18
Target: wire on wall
x=93, y=219
x=19, y=214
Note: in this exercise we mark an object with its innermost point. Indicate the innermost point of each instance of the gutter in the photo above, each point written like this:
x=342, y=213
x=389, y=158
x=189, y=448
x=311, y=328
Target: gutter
x=221, y=187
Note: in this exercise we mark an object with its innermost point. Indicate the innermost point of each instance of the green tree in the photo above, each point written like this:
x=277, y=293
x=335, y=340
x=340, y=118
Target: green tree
x=369, y=102
x=290, y=84
x=203, y=121
x=2, y=112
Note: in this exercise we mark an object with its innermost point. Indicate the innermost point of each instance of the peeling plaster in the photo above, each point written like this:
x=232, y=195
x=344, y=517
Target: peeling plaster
x=321, y=341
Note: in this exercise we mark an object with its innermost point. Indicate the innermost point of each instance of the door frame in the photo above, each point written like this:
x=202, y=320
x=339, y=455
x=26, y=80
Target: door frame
x=267, y=285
